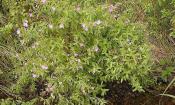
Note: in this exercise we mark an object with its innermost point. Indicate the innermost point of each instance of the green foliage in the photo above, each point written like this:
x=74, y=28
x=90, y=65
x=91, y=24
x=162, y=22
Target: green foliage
x=159, y=15
x=167, y=72
x=62, y=52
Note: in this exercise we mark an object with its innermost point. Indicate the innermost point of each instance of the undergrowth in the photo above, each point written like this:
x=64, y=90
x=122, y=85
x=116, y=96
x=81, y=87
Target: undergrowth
x=62, y=52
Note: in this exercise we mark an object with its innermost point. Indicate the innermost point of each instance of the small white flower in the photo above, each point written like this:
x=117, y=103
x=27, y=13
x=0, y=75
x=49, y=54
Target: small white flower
x=98, y=22
x=116, y=16
x=25, y=64
x=35, y=45
x=34, y=75
x=16, y=76
x=18, y=31
x=81, y=45
x=127, y=21
x=50, y=26
x=44, y=67
x=49, y=88
x=61, y=26
x=22, y=42
x=129, y=41
x=17, y=55
x=78, y=8
x=78, y=60
x=96, y=49
x=84, y=27
x=25, y=23
x=60, y=83
x=75, y=54
x=53, y=8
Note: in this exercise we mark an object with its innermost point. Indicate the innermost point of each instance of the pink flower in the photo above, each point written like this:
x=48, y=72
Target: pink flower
x=111, y=8
x=44, y=67
x=43, y=1
x=30, y=14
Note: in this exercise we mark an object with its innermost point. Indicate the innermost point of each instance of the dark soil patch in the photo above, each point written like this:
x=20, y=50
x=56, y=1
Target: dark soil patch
x=121, y=94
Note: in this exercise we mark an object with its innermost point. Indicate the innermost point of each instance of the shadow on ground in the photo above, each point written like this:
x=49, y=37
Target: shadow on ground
x=121, y=94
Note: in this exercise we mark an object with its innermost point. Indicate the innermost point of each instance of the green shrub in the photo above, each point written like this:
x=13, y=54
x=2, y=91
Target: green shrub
x=64, y=51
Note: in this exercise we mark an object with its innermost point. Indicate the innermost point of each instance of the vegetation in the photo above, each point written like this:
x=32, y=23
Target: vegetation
x=64, y=52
